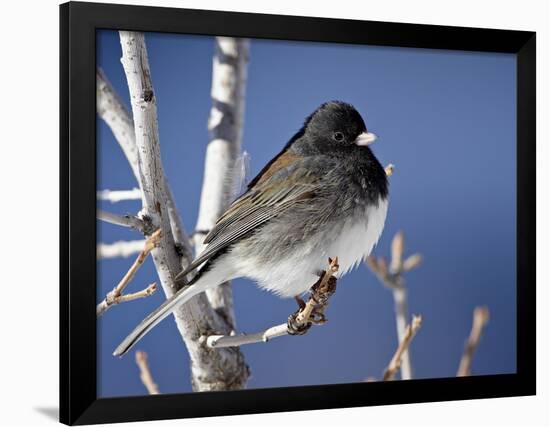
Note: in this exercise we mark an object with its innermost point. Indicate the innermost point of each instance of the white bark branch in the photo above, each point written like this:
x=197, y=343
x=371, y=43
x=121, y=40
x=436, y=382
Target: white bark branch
x=121, y=248
x=222, y=369
x=115, y=196
x=122, y=220
x=392, y=278
x=225, y=126
x=229, y=73
x=401, y=313
x=218, y=341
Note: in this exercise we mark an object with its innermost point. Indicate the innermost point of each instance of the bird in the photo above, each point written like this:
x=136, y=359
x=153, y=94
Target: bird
x=325, y=194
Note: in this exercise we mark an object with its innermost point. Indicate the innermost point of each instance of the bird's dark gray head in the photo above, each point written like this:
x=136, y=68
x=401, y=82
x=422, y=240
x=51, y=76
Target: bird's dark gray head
x=335, y=125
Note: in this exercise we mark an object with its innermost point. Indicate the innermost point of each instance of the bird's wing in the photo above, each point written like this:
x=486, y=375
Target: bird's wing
x=285, y=188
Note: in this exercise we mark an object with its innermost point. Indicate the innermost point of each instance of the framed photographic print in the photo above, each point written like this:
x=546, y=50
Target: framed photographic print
x=267, y=213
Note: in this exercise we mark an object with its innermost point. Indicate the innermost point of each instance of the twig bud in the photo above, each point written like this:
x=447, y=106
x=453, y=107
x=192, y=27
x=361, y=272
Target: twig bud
x=481, y=315
x=412, y=262
x=397, y=250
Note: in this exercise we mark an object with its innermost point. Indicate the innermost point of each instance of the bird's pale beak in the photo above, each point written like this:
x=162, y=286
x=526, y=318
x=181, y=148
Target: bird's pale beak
x=366, y=138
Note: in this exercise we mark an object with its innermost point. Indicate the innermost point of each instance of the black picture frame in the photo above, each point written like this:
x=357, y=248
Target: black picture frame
x=78, y=400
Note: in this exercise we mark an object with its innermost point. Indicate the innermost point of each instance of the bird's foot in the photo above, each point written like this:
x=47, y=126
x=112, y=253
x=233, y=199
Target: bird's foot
x=322, y=290
x=318, y=317
x=312, y=312
x=301, y=303
x=296, y=326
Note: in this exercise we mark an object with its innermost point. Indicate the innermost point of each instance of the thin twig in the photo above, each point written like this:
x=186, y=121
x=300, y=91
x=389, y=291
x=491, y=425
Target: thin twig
x=115, y=196
x=104, y=305
x=114, y=297
x=480, y=320
x=395, y=363
x=306, y=316
x=145, y=373
x=123, y=220
x=392, y=277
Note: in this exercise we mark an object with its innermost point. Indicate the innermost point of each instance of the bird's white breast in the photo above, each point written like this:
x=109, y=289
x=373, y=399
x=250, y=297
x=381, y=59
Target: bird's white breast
x=358, y=237
x=294, y=273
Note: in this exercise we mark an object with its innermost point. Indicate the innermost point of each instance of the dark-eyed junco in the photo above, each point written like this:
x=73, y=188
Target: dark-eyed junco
x=324, y=195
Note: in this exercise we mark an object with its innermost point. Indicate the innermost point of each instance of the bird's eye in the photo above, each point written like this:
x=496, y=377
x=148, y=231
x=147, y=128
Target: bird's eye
x=338, y=136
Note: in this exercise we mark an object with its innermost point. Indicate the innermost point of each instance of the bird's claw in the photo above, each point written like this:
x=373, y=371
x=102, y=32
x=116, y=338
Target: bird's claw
x=301, y=303
x=320, y=293
x=294, y=327
x=318, y=318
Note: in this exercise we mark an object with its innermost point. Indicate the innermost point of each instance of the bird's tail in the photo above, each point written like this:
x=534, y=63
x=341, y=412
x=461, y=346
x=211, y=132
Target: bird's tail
x=199, y=284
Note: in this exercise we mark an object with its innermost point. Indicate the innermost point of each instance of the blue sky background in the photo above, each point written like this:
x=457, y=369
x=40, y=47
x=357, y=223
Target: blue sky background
x=445, y=119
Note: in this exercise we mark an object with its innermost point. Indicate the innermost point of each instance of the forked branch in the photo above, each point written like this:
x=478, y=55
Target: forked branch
x=116, y=295
x=392, y=277
x=395, y=363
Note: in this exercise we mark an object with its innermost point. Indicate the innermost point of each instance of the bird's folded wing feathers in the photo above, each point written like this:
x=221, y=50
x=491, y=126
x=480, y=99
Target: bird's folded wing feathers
x=259, y=204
